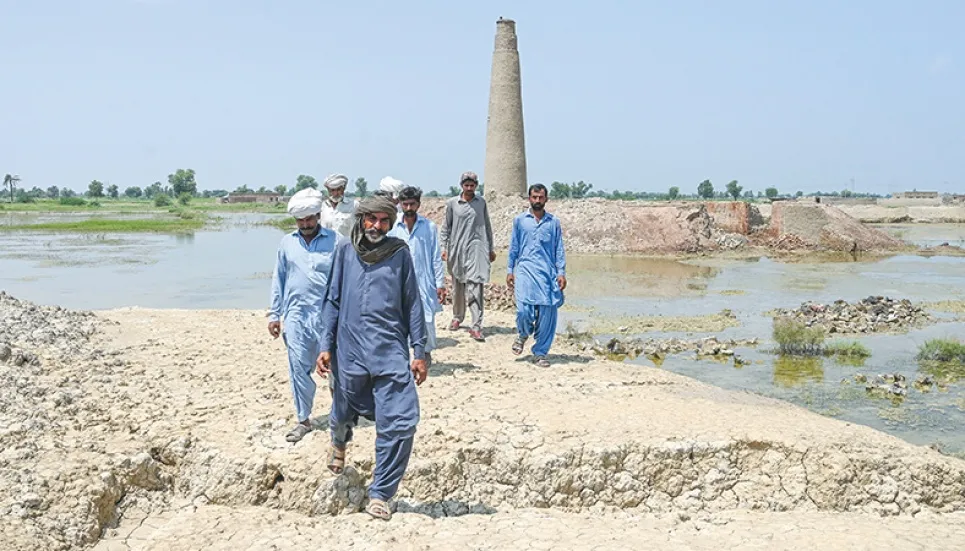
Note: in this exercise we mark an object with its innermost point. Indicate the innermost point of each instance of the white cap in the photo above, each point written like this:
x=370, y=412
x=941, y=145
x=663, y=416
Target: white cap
x=305, y=203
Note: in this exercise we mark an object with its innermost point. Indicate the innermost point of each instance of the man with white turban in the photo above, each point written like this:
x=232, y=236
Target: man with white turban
x=338, y=213
x=303, y=267
x=390, y=187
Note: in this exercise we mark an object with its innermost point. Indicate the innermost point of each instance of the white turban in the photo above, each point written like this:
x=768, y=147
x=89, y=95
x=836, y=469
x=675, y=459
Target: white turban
x=305, y=203
x=391, y=186
x=335, y=181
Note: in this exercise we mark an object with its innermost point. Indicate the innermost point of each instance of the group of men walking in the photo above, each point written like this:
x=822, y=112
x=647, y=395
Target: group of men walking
x=354, y=295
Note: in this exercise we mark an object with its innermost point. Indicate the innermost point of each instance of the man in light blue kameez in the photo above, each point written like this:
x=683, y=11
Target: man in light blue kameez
x=298, y=286
x=536, y=272
x=422, y=236
x=372, y=313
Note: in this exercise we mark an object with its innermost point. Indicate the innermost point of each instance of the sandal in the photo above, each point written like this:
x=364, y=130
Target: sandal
x=336, y=461
x=298, y=432
x=454, y=325
x=541, y=361
x=378, y=509
x=518, y=346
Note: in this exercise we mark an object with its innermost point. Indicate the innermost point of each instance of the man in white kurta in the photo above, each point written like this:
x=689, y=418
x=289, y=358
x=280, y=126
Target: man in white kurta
x=338, y=213
x=422, y=236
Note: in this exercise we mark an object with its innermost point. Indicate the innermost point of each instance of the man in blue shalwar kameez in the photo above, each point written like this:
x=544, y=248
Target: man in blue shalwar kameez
x=536, y=272
x=422, y=236
x=298, y=285
x=372, y=313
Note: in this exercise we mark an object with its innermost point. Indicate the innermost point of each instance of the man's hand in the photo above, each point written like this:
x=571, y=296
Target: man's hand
x=510, y=280
x=274, y=328
x=561, y=281
x=323, y=363
x=492, y=256
x=445, y=256
x=441, y=293
x=419, y=371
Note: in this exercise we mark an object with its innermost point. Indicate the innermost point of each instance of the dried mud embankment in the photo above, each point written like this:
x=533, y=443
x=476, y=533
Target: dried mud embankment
x=130, y=413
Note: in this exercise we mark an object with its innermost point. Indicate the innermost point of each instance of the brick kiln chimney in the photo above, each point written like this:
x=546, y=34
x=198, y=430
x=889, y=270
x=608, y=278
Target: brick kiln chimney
x=505, y=166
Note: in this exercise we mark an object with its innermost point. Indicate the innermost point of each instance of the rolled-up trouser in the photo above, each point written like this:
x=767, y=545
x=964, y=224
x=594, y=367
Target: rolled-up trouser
x=391, y=398
x=471, y=292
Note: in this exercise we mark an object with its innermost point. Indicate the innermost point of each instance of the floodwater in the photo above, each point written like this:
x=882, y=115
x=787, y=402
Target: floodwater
x=229, y=266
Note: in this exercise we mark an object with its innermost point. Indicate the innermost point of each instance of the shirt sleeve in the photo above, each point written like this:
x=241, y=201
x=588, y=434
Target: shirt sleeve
x=330, y=306
x=412, y=307
x=278, y=285
x=446, y=227
x=489, y=229
x=560, y=251
x=513, y=247
x=438, y=268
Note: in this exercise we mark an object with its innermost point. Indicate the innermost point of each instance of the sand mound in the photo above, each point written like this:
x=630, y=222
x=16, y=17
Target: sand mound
x=826, y=227
x=182, y=420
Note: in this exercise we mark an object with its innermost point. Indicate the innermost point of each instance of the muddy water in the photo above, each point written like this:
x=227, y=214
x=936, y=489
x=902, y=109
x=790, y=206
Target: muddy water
x=229, y=267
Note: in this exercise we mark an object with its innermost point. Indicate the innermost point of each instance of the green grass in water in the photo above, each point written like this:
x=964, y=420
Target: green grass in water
x=108, y=225
x=797, y=339
x=942, y=350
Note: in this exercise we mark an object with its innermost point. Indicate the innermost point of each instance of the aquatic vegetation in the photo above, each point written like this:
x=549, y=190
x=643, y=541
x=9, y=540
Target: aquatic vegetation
x=942, y=350
x=106, y=225
x=285, y=224
x=953, y=306
x=795, y=338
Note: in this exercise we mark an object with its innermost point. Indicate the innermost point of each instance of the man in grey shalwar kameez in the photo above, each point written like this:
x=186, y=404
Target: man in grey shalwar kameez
x=467, y=247
x=372, y=313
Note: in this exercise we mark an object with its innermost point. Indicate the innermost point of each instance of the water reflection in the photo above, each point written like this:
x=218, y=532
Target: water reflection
x=792, y=371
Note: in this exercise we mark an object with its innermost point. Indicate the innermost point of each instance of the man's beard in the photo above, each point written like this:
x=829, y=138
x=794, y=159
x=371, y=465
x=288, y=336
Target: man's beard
x=374, y=235
x=409, y=213
x=537, y=206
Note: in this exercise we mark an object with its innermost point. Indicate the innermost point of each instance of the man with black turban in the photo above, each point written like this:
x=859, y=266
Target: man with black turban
x=373, y=311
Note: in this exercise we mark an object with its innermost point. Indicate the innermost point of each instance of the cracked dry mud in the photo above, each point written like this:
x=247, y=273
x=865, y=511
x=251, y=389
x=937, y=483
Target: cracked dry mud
x=172, y=437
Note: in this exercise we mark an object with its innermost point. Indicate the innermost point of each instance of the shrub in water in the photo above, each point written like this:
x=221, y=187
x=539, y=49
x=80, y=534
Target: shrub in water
x=794, y=337
x=72, y=201
x=162, y=200
x=942, y=350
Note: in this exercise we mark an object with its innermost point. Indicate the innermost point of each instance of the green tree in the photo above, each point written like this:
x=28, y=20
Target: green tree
x=799, y=194
x=770, y=192
x=11, y=182
x=304, y=181
x=133, y=192
x=162, y=199
x=705, y=189
x=733, y=189
x=67, y=193
x=361, y=187
x=673, y=192
x=185, y=198
x=453, y=191
x=53, y=192
x=580, y=189
x=432, y=193
x=281, y=189
x=559, y=190
x=182, y=181
x=242, y=189
x=847, y=193
x=112, y=191
x=95, y=189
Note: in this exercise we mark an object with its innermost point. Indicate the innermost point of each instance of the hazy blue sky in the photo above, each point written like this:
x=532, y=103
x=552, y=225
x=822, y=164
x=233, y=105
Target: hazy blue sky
x=626, y=95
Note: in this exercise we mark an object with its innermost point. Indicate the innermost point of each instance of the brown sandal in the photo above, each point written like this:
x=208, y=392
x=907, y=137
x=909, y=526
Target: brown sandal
x=336, y=462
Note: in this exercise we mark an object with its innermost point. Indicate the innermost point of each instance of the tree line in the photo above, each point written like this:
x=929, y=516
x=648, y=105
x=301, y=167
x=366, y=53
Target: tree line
x=182, y=186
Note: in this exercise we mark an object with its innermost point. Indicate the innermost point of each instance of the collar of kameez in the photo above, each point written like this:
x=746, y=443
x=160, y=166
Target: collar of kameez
x=547, y=215
x=461, y=200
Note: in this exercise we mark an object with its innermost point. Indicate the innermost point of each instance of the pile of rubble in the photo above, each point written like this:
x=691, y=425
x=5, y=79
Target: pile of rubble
x=894, y=385
x=496, y=295
x=656, y=348
x=869, y=315
x=42, y=330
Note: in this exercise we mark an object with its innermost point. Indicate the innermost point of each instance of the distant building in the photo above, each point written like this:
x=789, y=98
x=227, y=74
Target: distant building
x=270, y=198
x=916, y=195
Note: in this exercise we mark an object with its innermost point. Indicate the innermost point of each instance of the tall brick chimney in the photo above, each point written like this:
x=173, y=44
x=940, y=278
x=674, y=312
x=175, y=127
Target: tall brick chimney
x=505, y=166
